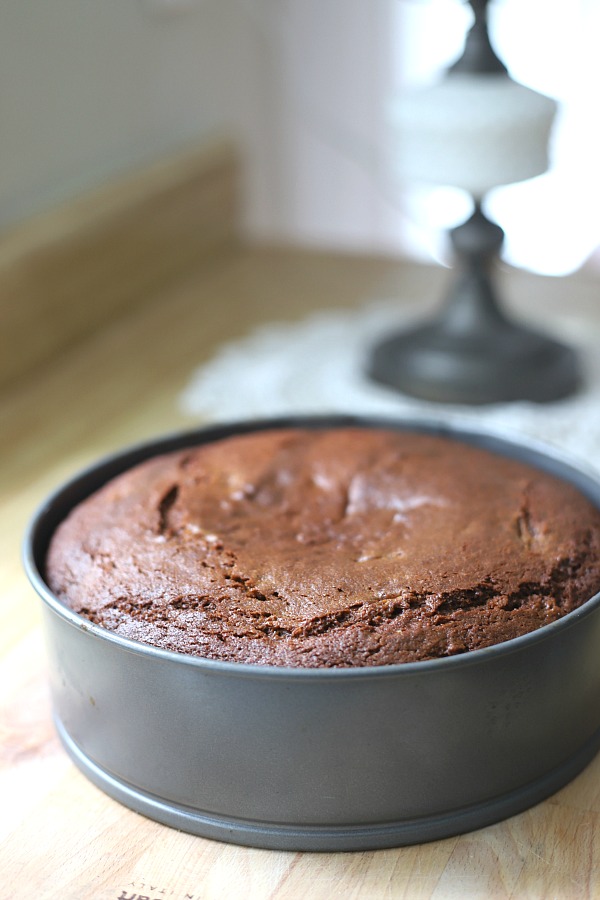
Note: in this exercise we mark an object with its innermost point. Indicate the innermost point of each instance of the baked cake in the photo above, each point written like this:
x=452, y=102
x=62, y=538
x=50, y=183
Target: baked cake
x=330, y=547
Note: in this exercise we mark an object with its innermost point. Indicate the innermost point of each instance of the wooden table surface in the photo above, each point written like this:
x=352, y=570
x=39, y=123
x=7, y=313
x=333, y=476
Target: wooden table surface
x=60, y=837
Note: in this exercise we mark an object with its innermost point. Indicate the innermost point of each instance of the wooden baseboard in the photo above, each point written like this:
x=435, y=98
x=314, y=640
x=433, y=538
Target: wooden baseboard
x=67, y=272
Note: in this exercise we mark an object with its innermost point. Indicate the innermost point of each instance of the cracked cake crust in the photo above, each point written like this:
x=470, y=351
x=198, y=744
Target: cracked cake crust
x=328, y=548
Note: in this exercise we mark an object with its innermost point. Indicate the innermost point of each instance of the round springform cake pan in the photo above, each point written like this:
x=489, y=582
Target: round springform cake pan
x=322, y=759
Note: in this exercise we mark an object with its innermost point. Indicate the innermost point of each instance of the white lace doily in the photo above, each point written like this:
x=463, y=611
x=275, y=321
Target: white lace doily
x=317, y=366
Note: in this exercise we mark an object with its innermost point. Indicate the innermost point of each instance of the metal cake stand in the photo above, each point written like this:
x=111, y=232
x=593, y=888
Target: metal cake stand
x=472, y=352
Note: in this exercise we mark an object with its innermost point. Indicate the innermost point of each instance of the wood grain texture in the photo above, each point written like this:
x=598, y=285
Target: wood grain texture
x=60, y=837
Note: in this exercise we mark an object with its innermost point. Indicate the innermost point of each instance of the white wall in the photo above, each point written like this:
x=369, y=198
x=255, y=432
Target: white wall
x=89, y=88
x=316, y=149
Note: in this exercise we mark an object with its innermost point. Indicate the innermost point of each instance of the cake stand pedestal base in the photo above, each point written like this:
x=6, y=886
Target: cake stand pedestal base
x=515, y=364
x=472, y=352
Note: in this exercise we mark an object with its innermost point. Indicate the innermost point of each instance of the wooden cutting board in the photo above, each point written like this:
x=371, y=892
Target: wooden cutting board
x=60, y=837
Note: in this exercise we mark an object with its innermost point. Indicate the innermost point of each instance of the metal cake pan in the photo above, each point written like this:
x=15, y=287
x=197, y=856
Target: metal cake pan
x=322, y=759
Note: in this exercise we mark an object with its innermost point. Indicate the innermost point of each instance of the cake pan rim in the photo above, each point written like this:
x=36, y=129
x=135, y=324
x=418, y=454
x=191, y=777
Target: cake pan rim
x=455, y=429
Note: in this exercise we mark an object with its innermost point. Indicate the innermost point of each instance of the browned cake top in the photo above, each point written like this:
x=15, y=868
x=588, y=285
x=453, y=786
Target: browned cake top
x=333, y=547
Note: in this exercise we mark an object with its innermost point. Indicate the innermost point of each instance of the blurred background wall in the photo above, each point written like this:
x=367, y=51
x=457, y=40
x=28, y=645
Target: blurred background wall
x=90, y=89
